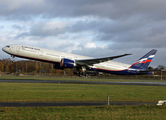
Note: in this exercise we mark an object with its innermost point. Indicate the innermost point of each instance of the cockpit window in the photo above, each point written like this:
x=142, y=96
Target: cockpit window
x=8, y=46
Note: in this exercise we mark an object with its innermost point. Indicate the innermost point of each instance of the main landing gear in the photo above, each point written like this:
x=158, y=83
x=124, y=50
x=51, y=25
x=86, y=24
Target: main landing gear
x=81, y=72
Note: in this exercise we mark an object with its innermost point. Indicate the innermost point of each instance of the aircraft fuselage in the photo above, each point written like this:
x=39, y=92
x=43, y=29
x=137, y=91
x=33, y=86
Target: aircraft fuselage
x=55, y=57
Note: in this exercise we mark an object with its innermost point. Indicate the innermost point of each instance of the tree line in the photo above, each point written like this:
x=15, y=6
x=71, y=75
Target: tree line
x=30, y=66
x=36, y=67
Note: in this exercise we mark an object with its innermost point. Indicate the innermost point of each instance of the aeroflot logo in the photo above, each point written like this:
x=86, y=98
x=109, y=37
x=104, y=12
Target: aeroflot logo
x=26, y=47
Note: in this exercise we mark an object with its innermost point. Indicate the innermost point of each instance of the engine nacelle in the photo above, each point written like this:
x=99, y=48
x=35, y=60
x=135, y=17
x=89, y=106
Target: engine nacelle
x=66, y=63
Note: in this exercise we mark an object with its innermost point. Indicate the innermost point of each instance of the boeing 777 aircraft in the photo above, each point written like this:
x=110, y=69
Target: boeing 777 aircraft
x=63, y=60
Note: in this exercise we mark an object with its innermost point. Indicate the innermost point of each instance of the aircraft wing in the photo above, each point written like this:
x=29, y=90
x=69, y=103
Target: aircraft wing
x=98, y=60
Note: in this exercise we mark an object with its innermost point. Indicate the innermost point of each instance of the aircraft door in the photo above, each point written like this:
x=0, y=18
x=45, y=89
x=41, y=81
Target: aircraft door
x=18, y=48
x=41, y=53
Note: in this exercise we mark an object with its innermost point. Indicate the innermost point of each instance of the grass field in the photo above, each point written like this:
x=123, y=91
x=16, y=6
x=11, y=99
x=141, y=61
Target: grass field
x=88, y=113
x=81, y=92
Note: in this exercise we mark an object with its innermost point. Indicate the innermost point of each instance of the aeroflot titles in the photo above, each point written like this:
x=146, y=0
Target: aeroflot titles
x=23, y=47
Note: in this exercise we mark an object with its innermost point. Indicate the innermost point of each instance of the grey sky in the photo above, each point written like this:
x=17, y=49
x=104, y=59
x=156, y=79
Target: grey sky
x=95, y=28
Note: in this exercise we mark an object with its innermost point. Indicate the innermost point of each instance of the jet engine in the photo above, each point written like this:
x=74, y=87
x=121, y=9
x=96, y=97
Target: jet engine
x=67, y=63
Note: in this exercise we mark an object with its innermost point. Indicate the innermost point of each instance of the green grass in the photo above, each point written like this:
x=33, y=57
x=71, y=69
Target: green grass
x=87, y=113
x=79, y=92
x=81, y=79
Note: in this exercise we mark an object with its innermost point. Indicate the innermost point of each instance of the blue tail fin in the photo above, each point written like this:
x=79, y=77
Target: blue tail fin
x=144, y=61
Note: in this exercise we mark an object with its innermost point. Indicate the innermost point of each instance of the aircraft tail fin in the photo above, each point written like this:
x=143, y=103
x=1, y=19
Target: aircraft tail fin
x=144, y=61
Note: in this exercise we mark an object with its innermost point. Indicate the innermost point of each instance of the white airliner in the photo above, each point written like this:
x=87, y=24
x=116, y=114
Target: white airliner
x=63, y=60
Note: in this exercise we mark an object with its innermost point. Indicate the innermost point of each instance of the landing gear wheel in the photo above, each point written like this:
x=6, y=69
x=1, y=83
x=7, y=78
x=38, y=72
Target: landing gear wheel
x=86, y=75
x=80, y=74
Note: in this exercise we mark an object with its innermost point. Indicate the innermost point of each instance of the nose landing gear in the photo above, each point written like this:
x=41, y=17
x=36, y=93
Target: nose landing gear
x=13, y=57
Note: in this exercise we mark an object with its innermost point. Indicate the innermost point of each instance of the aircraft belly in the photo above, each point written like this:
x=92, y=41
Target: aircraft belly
x=30, y=55
x=48, y=58
x=108, y=68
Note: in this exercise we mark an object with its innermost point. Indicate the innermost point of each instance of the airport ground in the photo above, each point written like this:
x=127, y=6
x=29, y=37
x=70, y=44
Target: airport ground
x=37, y=92
x=144, y=112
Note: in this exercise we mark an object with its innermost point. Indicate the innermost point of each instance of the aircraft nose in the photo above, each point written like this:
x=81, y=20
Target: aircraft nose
x=3, y=48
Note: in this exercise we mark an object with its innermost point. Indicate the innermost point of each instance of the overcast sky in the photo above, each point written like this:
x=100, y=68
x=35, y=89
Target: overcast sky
x=97, y=28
